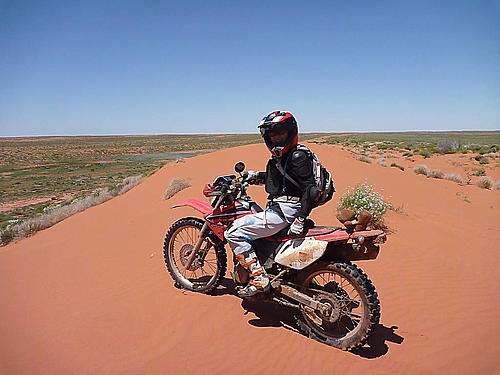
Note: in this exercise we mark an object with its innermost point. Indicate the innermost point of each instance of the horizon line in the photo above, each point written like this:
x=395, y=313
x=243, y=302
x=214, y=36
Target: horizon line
x=248, y=133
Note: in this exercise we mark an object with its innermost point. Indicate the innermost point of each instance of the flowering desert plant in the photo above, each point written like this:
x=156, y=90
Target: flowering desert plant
x=363, y=197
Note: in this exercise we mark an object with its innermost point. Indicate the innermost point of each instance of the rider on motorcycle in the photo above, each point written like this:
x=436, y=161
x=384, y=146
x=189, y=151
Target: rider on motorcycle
x=287, y=203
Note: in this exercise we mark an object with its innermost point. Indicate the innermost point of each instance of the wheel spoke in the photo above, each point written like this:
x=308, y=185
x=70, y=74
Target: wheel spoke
x=346, y=297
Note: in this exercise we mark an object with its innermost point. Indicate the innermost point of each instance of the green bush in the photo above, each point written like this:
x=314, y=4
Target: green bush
x=486, y=150
x=483, y=160
x=473, y=147
x=364, y=198
x=478, y=172
x=6, y=236
x=426, y=154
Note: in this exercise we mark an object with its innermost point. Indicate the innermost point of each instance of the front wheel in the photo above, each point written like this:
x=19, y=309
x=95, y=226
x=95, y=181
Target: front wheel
x=353, y=305
x=209, y=266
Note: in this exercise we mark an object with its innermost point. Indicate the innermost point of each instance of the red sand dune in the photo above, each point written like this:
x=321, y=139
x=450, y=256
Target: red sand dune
x=91, y=294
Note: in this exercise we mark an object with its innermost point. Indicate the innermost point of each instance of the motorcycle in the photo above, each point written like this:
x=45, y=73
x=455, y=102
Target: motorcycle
x=334, y=301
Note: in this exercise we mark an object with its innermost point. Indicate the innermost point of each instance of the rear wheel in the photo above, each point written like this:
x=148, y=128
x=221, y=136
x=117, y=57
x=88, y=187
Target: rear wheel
x=353, y=305
x=207, y=269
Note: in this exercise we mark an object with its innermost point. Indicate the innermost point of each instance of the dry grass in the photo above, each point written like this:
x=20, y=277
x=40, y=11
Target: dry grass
x=176, y=185
x=435, y=173
x=127, y=184
x=421, y=169
x=365, y=159
x=485, y=183
x=478, y=172
x=398, y=166
x=454, y=177
x=465, y=197
x=496, y=186
x=55, y=215
x=382, y=162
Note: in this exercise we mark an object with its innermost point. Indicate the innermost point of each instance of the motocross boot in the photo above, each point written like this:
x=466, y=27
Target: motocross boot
x=259, y=280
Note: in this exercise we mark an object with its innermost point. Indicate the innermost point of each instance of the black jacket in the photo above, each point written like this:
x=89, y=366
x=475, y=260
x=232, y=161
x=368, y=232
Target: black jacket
x=298, y=165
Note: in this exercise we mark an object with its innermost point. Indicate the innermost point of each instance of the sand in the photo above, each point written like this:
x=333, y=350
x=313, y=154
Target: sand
x=91, y=295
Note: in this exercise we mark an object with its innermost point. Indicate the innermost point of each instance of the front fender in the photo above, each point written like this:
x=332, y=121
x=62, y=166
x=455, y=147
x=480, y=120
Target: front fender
x=201, y=206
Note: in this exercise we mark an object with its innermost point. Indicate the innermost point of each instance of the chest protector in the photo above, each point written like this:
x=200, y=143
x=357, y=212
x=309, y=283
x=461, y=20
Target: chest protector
x=323, y=178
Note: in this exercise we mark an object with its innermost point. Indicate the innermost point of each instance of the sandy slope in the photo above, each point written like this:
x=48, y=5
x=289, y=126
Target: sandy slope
x=91, y=295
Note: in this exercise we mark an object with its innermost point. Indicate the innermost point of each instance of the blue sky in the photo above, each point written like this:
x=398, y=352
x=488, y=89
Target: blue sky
x=149, y=67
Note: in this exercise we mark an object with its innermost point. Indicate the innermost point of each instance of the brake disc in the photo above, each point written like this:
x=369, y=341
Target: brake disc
x=185, y=252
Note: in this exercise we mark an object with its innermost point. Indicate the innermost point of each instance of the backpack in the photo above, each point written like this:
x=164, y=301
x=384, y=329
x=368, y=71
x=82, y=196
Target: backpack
x=323, y=178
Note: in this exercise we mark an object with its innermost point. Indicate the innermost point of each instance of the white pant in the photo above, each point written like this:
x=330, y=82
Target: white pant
x=263, y=224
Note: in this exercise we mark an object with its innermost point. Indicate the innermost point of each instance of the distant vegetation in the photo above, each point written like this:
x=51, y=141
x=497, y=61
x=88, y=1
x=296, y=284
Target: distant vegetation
x=55, y=214
x=40, y=174
x=425, y=143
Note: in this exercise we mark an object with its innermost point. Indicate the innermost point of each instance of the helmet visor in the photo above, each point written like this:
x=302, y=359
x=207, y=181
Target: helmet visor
x=265, y=129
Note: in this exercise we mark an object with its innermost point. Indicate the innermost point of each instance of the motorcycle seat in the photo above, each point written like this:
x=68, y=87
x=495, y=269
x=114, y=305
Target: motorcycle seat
x=311, y=230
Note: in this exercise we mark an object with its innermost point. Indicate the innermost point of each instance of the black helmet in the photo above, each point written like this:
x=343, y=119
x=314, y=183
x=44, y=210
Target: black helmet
x=279, y=121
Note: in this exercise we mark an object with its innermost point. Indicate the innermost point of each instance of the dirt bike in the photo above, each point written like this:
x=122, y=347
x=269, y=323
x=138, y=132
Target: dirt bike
x=334, y=300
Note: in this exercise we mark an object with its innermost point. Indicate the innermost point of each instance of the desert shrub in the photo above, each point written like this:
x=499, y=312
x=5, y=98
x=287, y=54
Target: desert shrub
x=127, y=184
x=53, y=215
x=478, y=172
x=6, y=236
x=385, y=146
x=454, y=177
x=397, y=166
x=176, y=185
x=484, y=182
x=473, y=147
x=484, y=150
x=408, y=154
x=483, y=160
x=496, y=186
x=426, y=154
x=421, y=169
x=362, y=198
x=382, y=162
x=446, y=146
x=435, y=173
x=364, y=159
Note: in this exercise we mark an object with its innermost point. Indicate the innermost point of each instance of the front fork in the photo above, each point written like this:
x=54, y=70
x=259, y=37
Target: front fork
x=202, y=235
